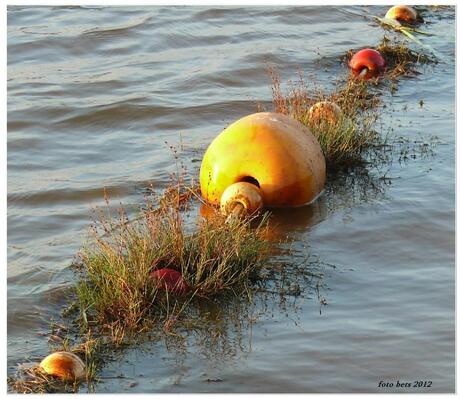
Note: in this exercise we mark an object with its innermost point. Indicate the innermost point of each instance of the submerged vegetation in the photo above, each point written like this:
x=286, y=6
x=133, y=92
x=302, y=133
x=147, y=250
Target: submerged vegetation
x=34, y=380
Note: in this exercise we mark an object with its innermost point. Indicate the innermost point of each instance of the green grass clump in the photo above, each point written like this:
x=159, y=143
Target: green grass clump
x=346, y=142
x=116, y=293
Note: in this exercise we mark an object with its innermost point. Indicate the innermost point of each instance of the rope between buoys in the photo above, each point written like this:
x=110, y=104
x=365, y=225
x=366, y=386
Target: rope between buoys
x=363, y=72
x=235, y=213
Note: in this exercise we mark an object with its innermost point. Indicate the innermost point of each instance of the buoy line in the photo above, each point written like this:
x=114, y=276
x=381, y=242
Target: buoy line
x=262, y=160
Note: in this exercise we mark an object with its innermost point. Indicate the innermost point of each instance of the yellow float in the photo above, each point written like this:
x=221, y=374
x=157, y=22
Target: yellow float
x=276, y=157
x=64, y=365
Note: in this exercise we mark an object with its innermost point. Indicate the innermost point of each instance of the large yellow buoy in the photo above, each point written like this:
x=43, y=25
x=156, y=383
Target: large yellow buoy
x=64, y=365
x=273, y=152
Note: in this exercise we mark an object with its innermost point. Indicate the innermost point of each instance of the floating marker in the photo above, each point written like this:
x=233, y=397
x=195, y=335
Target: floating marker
x=367, y=64
x=170, y=280
x=64, y=365
x=402, y=14
x=273, y=152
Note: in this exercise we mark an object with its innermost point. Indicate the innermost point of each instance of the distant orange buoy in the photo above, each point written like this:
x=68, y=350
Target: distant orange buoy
x=273, y=152
x=402, y=14
x=170, y=280
x=324, y=111
x=64, y=365
x=367, y=63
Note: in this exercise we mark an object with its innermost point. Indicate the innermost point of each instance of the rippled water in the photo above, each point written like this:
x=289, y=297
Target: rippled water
x=93, y=95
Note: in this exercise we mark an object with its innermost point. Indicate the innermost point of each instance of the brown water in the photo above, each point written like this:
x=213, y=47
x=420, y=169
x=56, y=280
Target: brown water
x=94, y=93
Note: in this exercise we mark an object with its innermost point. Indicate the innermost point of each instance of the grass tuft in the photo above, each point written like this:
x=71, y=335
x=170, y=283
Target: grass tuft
x=345, y=142
x=116, y=300
x=116, y=294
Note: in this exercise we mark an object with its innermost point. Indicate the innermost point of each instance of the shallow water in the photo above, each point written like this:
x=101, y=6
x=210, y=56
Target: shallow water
x=93, y=95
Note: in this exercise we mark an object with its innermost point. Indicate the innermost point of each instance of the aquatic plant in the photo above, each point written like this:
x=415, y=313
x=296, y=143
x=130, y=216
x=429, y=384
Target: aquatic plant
x=345, y=142
x=348, y=141
x=116, y=299
x=402, y=60
x=116, y=290
x=35, y=380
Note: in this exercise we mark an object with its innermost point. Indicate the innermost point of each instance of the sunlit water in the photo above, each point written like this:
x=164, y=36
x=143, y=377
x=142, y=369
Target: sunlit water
x=93, y=95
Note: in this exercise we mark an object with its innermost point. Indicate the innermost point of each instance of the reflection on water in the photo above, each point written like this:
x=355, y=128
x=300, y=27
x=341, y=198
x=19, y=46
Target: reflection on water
x=343, y=191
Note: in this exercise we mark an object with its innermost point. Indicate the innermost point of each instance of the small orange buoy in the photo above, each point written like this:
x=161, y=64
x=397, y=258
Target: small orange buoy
x=273, y=152
x=64, y=365
x=402, y=14
x=170, y=280
x=367, y=63
x=324, y=111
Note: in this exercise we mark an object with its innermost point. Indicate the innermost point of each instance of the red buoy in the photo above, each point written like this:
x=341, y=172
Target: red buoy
x=367, y=63
x=170, y=280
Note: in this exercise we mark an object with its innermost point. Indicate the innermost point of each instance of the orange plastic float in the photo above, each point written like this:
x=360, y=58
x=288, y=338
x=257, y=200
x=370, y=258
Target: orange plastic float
x=64, y=365
x=367, y=64
x=277, y=158
x=402, y=14
x=324, y=111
